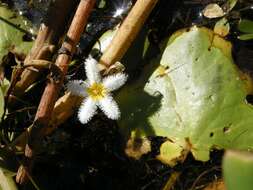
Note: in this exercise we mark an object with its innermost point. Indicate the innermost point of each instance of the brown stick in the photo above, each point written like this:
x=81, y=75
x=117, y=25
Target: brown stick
x=50, y=94
x=48, y=36
x=128, y=31
x=51, y=91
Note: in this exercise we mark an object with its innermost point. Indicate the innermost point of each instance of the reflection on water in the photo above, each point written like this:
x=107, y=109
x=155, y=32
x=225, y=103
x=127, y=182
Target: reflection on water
x=34, y=10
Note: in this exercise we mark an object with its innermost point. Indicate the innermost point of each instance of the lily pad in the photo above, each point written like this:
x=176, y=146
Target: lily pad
x=246, y=26
x=246, y=37
x=14, y=32
x=194, y=95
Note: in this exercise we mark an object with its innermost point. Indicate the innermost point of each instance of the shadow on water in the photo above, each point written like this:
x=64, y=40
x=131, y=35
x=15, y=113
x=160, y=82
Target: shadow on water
x=137, y=105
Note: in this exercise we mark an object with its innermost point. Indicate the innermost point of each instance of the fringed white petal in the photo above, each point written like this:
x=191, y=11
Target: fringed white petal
x=92, y=71
x=77, y=87
x=115, y=81
x=109, y=107
x=87, y=110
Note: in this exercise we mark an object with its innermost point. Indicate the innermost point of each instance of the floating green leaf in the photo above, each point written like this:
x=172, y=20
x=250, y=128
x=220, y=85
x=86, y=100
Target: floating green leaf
x=246, y=37
x=194, y=95
x=13, y=28
x=246, y=26
x=238, y=170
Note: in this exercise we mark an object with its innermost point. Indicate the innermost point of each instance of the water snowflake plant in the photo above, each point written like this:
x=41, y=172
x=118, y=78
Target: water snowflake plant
x=97, y=92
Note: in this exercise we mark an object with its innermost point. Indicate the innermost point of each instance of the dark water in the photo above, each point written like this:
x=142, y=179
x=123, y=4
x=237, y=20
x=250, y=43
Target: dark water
x=34, y=10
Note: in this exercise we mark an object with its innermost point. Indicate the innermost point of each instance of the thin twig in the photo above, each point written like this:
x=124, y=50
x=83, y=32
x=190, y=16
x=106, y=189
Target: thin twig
x=172, y=180
x=202, y=175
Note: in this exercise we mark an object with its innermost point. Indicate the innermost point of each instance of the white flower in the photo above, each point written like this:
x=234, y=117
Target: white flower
x=97, y=92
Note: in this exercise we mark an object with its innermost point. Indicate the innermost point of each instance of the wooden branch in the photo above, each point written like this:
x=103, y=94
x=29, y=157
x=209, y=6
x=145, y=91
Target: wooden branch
x=51, y=91
x=50, y=94
x=48, y=36
x=128, y=31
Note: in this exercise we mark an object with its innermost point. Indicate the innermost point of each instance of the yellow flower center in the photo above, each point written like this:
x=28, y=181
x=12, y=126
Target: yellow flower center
x=96, y=91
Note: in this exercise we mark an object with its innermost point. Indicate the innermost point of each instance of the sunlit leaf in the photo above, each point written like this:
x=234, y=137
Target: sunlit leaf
x=4, y=85
x=6, y=181
x=213, y=10
x=246, y=37
x=194, y=95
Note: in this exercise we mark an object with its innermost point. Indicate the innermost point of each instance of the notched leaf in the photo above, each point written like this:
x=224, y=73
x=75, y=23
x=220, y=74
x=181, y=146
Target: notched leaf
x=193, y=92
x=245, y=26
